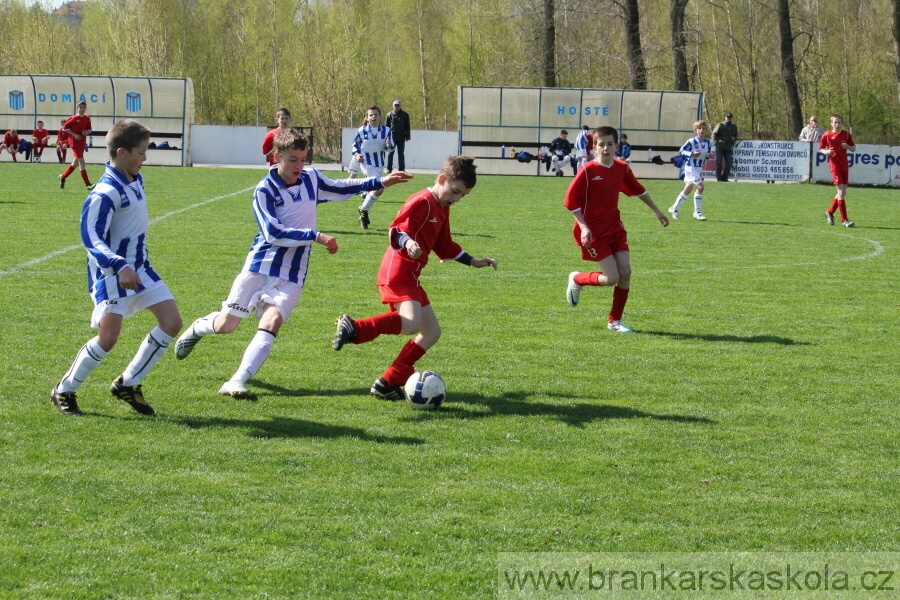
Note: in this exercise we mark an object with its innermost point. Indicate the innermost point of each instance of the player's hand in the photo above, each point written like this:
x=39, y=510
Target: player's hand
x=484, y=262
x=695, y=153
x=327, y=241
x=129, y=279
x=395, y=178
x=586, y=236
x=413, y=249
x=359, y=158
x=662, y=218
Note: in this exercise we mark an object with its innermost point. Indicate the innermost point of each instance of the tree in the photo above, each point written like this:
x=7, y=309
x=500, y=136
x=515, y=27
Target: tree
x=679, y=43
x=788, y=69
x=896, y=28
x=633, y=50
x=549, y=61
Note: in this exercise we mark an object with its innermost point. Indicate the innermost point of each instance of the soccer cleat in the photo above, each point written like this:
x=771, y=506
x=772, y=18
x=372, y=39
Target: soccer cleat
x=573, y=290
x=619, y=326
x=699, y=216
x=131, y=394
x=235, y=389
x=345, y=333
x=829, y=218
x=674, y=213
x=65, y=402
x=91, y=186
x=364, y=218
x=847, y=223
x=185, y=344
x=385, y=391
x=559, y=174
x=62, y=182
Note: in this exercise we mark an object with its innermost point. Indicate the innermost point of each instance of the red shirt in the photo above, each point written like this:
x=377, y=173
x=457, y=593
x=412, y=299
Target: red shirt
x=40, y=135
x=428, y=224
x=595, y=190
x=11, y=140
x=837, y=160
x=268, y=144
x=78, y=124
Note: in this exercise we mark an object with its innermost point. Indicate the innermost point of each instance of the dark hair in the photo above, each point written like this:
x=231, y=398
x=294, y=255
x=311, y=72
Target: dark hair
x=286, y=112
x=374, y=107
x=80, y=103
x=127, y=134
x=563, y=132
x=606, y=130
x=460, y=168
x=290, y=139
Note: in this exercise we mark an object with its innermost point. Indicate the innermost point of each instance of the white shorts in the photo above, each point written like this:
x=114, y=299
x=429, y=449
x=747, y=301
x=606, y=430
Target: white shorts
x=693, y=175
x=129, y=305
x=252, y=291
x=581, y=153
x=354, y=167
x=370, y=170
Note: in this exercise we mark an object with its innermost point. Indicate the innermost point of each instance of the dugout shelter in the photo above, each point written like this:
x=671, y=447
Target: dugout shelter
x=163, y=105
x=493, y=120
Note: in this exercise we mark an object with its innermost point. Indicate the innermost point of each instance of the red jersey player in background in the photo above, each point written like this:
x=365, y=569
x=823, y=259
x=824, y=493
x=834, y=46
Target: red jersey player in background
x=283, y=118
x=78, y=128
x=39, y=141
x=835, y=144
x=10, y=143
x=422, y=225
x=62, y=143
x=593, y=199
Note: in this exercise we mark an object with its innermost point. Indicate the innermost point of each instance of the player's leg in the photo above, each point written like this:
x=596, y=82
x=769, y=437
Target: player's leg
x=390, y=385
x=683, y=195
x=256, y=354
x=841, y=203
x=82, y=170
x=698, y=202
x=620, y=291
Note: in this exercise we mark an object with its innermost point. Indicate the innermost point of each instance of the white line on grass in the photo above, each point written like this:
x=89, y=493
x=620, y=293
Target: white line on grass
x=154, y=220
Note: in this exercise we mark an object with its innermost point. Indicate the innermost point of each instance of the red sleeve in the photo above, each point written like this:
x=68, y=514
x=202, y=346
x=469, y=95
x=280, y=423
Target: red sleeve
x=410, y=219
x=444, y=246
x=68, y=123
x=577, y=191
x=850, y=140
x=823, y=141
x=88, y=125
x=268, y=144
x=630, y=185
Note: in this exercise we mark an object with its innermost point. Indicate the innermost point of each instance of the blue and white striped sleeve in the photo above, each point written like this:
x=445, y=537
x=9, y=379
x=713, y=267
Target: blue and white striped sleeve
x=337, y=190
x=271, y=228
x=96, y=217
x=357, y=143
x=688, y=148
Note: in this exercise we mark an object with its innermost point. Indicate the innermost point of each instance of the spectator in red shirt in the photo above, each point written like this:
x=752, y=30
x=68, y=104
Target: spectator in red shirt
x=10, y=143
x=39, y=141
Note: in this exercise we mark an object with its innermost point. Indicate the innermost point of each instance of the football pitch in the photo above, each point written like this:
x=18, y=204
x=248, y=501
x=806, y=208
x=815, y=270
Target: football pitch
x=754, y=408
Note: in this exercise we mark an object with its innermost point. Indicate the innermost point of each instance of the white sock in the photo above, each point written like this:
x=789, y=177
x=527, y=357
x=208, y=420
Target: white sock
x=87, y=359
x=204, y=325
x=698, y=202
x=152, y=349
x=681, y=198
x=255, y=355
x=369, y=202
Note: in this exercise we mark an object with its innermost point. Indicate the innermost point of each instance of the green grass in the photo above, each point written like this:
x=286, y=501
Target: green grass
x=755, y=407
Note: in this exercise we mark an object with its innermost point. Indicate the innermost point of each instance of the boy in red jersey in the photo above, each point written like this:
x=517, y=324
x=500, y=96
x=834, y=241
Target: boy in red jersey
x=835, y=144
x=422, y=225
x=593, y=199
x=283, y=118
x=10, y=143
x=39, y=141
x=78, y=128
x=62, y=143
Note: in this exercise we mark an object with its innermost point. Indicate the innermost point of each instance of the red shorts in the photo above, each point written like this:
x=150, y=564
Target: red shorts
x=605, y=246
x=78, y=150
x=840, y=177
x=394, y=294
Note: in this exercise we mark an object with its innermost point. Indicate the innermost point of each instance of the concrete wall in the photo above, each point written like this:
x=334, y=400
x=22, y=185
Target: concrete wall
x=426, y=149
x=225, y=145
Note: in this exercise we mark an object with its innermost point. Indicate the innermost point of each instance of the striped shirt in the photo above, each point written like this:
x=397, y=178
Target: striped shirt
x=691, y=146
x=114, y=222
x=286, y=217
x=371, y=144
x=581, y=142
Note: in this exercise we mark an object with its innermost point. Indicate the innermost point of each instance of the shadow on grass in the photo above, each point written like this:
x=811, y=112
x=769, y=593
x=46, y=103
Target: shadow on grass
x=517, y=404
x=285, y=427
x=751, y=339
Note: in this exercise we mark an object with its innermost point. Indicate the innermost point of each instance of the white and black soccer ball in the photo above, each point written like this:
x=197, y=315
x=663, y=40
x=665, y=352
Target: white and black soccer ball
x=425, y=390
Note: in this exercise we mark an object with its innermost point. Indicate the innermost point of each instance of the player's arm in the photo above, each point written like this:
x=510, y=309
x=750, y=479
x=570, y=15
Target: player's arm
x=95, y=223
x=327, y=241
x=586, y=234
x=272, y=229
x=645, y=198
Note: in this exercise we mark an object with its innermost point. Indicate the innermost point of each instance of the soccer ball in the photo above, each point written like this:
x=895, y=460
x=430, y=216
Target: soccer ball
x=425, y=390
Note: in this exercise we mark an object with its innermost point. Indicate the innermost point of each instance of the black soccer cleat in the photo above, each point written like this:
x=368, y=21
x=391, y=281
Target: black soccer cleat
x=62, y=182
x=383, y=390
x=131, y=394
x=345, y=333
x=364, y=218
x=65, y=402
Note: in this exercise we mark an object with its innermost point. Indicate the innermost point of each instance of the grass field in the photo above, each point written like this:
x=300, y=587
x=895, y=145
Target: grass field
x=754, y=408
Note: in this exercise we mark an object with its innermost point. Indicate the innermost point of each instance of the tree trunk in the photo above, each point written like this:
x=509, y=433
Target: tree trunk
x=679, y=61
x=896, y=5
x=788, y=69
x=549, y=44
x=635, y=53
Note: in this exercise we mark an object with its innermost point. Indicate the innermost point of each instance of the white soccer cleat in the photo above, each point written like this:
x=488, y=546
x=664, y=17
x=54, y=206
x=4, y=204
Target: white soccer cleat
x=573, y=290
x=185, y=344
x=699, y=216
x=674, y=213
x=619, y=326
x=235, y=389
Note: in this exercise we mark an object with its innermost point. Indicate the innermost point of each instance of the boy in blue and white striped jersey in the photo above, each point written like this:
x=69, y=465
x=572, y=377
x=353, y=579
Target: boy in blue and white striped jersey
x=121, y=280
x=583, y=145
x=370, y=148
x=271, y=281
x=696, y=150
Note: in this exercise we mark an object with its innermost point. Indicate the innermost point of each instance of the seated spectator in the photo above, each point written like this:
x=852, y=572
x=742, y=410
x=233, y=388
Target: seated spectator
x=560, y=155
x=623, y=150
x=39, y=139
x=10, y=143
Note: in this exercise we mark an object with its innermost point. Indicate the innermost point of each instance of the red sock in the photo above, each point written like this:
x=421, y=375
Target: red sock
x=588, y=278
x=84, y=178
x=368, y=329
x=620, y=297
x=403, y=365
x=833, y=207
x=843, y=208
x=68, y=171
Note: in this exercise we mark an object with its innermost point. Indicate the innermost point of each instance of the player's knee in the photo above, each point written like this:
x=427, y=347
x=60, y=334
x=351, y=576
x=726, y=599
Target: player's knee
x=172, y=325
x=410, y=325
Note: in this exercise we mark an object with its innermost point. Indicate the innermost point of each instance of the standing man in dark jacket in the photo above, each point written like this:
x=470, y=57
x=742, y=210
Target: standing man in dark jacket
x=724, y=136
x=398, y=122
